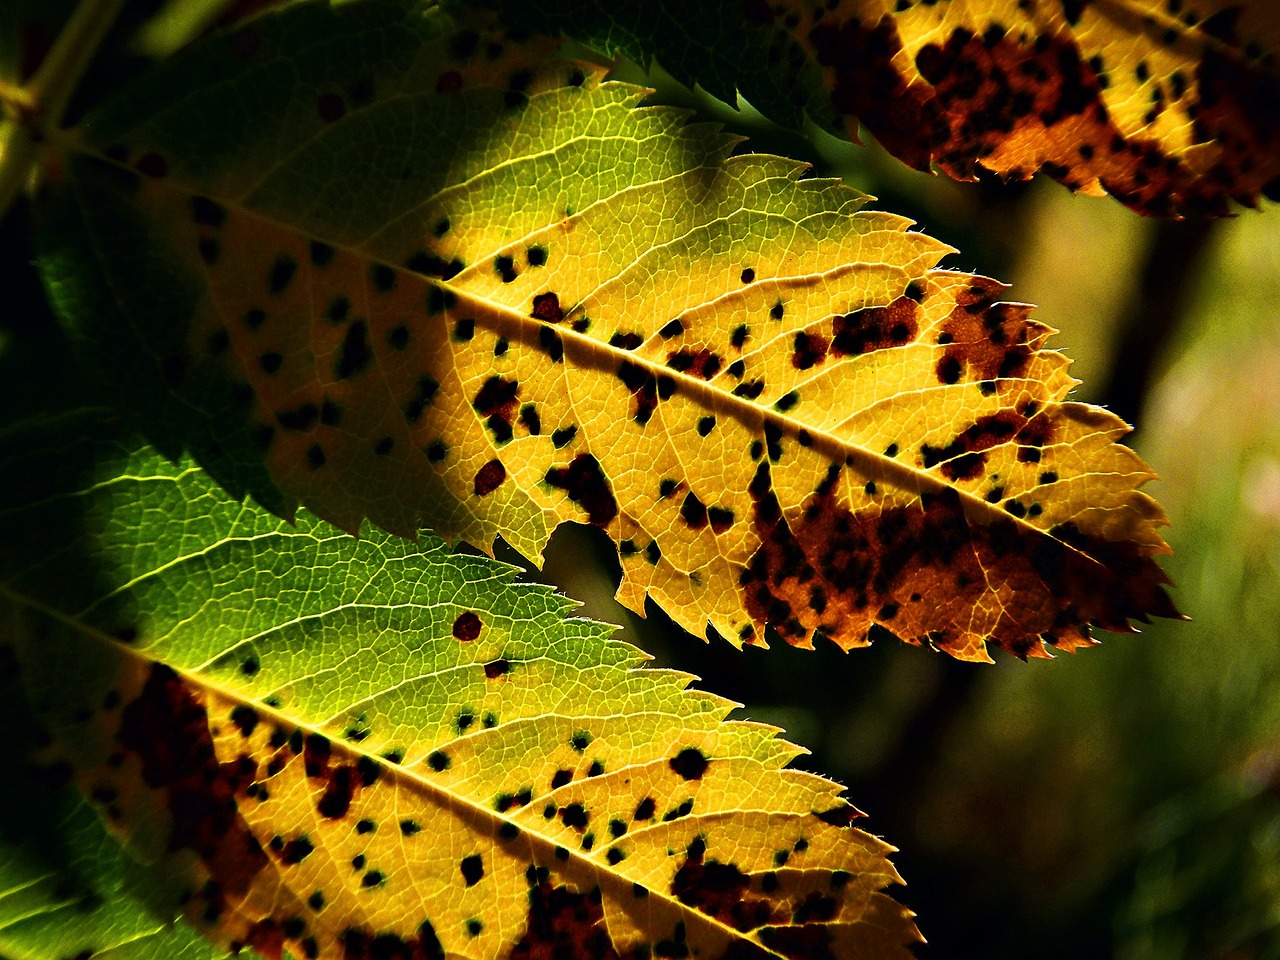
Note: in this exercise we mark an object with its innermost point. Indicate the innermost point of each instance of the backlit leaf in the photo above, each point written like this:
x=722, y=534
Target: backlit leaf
x=365, y=748
x=387, y=268
x=1167, y=105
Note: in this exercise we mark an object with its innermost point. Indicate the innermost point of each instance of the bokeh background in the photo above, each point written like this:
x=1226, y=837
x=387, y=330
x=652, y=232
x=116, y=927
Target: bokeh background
x=1122, y=802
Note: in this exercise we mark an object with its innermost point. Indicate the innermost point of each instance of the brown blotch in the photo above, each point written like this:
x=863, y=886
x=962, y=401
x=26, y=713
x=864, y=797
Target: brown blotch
x=720, y=891
x=585, y=483
x=698, y=363
x=892, y=560
x=875, y=328
x=963, y=458
x=546, y=307
x=168, y=729
x=984, y=339
x=489, y=478
x=809, y=350
x=467, y=627
x=562, y=923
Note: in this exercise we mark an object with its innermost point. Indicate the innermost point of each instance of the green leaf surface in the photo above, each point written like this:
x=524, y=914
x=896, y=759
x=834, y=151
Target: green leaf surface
x=342, y=747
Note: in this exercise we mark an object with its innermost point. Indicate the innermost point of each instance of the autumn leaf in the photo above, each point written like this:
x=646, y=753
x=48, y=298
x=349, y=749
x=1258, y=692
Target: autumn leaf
x=366, y=748
x=393, y=268
x=1168, y=106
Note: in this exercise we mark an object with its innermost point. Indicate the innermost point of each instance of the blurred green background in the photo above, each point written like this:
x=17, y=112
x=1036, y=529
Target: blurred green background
x=1122, y=802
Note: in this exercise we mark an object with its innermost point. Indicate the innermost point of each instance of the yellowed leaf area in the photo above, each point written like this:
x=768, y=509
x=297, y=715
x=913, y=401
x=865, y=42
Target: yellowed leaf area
x=1168, y=105
x=771, y=400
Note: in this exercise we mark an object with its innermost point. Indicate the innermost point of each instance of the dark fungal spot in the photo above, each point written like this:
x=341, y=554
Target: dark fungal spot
x=208, y=213
x=875, y=328
x=489, y=477
x=536, y=256
x=672, y=328
x=693, y=512
x=210, y=250
x=356, y=355
x=219, y=342
x=253, y=318
x=689, y=763
x=248, y=666
x=739, y=336
x=596, y=769
x=321, y=253
x=474, y=927
x=424, y=394
x=580, y=741
x=720, y=518
x=464, y=720
x=472, y=868
x=437, y=451
x=366, y=825
x=574, y=815
x=1049, y=476
x=245, y=718
x=270, y=362
x=808, y=350
x=948, y=369
x=564, y=436
x=748, y=275
x=466, y=627
x=410, y=827
x=374, y=878
x=667, y=487
x=617, y=828
x=496, y=669
x=736, y=369
x=549, y=342
x=750, y=390
x=626, y=341
x=705, y=425
x=500, y=347
x=775, y=312
x=300, y=419
x=560, y=778
x=281, y=274
x=698, y=363
x=615, y=856
x=398, y=338
x=653, y=552
x=330, y=108
x=530, y=420
x=586, y=485
x=561, y=853
x=316, y=901
x=508, y=831
x=442, y=227
x=338, y=310
x=505, y=267
x=382, y=277
x=464, y=330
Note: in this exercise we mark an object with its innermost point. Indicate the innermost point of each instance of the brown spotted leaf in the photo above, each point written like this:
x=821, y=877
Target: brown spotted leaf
x=347, y=749
x=460, y=283
x=1168, y=105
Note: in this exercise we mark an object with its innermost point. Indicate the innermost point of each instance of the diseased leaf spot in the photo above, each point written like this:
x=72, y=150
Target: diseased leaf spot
x=787, y=401
x=248, y=666
x=496, y=669
x=739, y=336
x=474, y=927
x=489, y=478
x=672, y=328
x=330, y=107
x=321, y=254
x=437, y=451
x=253, y=318
x=356, y=355
x=338, y=311
x=282, y=270
x=366, y=826
x=580, y=741
x=466, y=627
x=270, y=362
x=536, y=256
x=693, y=512
x=316, y=901
x=689, y=763
x=441, y=227
x=615, y=856
x=748, y=275
x=564, y=436
x=530, y=419
x=626, y=341
x=245, y=718
x=410, y=827
x=546, y=307
x=374, y=878
x=464, y=330
x=505, y=267
x=382, y=277
x=596, y=769
x=549, y=342
x=398, y=338
x=667, y=487
x=472, y=868
x=586, y=485
x=720, y=518
x=574, y=815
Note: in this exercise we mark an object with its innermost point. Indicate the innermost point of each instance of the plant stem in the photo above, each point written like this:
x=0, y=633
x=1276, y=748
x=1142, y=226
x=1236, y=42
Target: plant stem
x=31, y=111
x=58, y=76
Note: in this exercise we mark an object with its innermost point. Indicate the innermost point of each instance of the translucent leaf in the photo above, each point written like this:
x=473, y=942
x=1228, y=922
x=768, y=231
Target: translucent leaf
x=1167, y=105
x=372, y=262
x=362, y=748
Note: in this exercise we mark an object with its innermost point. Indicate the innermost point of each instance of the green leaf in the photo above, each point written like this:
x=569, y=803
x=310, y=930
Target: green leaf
x=392, y=267
x=369, y=747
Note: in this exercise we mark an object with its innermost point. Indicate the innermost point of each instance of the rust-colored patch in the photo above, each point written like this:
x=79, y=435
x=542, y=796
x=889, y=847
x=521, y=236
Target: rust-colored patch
x=167, y=727
x=875, y=328
x=585, y=483
x=720, y=890
x=988, y=339
x=564, y=924
x=921, y=571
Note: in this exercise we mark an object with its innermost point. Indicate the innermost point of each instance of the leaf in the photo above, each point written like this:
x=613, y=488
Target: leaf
x=367, y=261
x=1169, y=107
x=370, y=749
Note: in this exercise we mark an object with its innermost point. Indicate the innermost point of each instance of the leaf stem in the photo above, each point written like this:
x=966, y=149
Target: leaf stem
x=34, y=109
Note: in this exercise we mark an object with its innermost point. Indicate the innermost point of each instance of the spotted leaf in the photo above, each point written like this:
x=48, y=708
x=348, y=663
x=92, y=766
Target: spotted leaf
x=1167, y=105
x=536, y=301
x=342, y=748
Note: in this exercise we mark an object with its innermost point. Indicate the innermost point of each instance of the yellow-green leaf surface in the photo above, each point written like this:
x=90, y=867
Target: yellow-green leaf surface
x=1167, y=105
x=370, y=748
x=372, y=262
